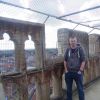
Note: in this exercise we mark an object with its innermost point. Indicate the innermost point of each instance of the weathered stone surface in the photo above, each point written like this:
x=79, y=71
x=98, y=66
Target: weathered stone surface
x=2, y=95
x=94, y=45
x=63, y=36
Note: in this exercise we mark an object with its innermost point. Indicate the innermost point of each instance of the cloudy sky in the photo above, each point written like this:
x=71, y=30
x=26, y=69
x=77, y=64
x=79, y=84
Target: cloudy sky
x=52, y=7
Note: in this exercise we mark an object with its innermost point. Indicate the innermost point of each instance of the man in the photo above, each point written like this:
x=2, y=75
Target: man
x=74, y=62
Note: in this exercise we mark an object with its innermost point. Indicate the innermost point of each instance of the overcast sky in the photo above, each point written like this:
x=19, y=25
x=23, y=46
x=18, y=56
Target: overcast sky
x=53, y=7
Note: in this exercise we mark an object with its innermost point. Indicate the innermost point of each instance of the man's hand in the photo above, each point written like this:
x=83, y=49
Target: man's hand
x=79, y=72
x=82, y=66
x=81, y=69
x=66, y=71
x=65, y=67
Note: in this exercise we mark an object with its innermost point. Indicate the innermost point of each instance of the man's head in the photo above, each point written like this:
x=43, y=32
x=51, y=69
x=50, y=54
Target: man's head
x=73, y=42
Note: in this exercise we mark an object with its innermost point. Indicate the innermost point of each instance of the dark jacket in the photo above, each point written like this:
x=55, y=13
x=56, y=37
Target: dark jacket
x=74, y=58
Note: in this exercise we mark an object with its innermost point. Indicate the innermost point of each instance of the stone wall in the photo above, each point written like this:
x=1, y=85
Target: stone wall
x=94, y=44
x=63, y=36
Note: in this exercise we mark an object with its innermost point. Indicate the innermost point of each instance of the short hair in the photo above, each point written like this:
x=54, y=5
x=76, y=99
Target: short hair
x=72, y=37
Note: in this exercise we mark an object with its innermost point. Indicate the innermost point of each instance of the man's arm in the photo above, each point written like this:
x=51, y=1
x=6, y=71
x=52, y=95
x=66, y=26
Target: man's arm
x=65, y=66
x=82, y=66
x=83, y=59
x=65, y=60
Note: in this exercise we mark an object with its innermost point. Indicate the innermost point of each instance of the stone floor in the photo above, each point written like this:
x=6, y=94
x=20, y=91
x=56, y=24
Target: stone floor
x=92, y=92
x=2, y=97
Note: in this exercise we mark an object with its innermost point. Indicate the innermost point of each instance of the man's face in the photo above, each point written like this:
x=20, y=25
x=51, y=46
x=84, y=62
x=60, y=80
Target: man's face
x=73, y=42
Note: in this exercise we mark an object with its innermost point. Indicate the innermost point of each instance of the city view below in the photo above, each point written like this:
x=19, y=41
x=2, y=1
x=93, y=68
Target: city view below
x=7, y=59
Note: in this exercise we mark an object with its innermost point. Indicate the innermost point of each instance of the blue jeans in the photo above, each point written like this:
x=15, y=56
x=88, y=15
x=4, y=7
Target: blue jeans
x=78, y=78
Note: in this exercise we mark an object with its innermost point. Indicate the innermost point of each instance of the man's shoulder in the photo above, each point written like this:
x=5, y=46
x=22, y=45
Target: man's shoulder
x=80, y=48
x=67, y=49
